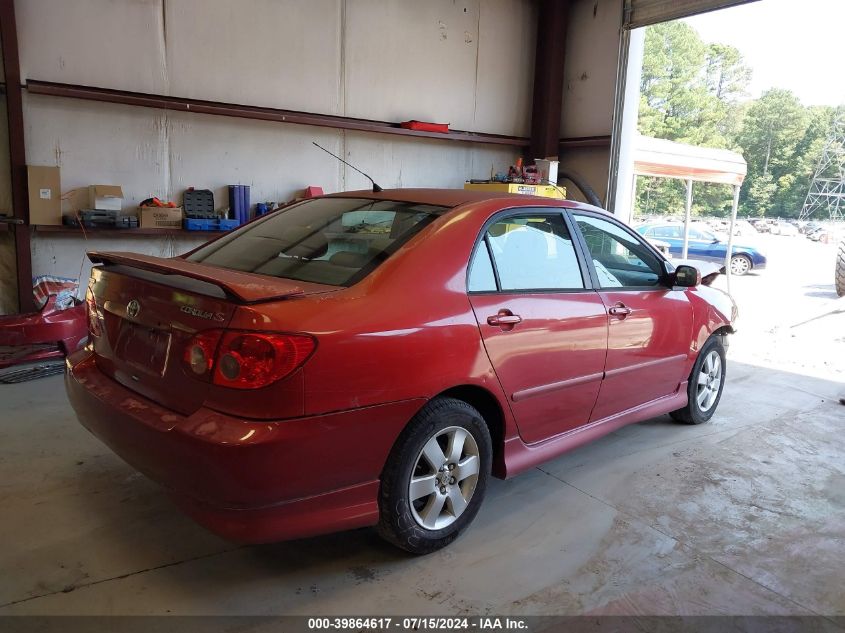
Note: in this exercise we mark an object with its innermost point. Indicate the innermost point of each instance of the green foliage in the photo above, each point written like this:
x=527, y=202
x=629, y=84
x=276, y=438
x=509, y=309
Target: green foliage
x=677, y=103
x=694, y=92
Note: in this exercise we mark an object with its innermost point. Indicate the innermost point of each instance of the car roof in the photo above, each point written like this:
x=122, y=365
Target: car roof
x=451, y=197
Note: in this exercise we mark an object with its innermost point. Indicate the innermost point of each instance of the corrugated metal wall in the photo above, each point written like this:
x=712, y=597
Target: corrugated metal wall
x=466, y=63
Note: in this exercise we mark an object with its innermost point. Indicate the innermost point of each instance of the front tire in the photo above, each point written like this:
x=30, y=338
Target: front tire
x=840, y=270
x=706, y=382
x=435, y=477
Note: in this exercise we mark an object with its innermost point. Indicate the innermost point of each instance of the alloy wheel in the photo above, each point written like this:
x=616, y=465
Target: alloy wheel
x=444, y=478
x=740, y=265
x=709, y=381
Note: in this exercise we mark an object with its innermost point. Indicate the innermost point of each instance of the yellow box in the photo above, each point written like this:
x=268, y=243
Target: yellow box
x=545, y=191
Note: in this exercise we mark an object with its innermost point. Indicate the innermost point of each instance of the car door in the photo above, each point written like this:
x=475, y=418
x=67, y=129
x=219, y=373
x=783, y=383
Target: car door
x=671, y=234
x=544, y=328
x=702, y=246
x=649, y=324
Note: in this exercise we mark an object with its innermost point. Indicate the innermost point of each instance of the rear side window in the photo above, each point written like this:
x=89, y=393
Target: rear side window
x=533, y=252
x=481, y=275
x=335, y=241
x=666, y=231
x=699, y=234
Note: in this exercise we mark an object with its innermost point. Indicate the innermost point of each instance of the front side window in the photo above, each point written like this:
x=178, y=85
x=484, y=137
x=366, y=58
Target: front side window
x=534, y=252
x=620, y=259
x=334, y=241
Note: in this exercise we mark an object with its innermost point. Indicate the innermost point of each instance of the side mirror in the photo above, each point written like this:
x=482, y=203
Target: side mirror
x=716, y=240
x=686, y=276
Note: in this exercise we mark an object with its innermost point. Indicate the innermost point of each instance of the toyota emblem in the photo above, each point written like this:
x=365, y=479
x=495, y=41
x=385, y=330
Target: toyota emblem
x=133, y=308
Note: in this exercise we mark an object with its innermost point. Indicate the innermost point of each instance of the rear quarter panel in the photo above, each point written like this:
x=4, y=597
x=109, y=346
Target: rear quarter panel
x=406, y=331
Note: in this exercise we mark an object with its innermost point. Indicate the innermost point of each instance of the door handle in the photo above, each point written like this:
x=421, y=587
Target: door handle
x=504, y=319
x=620, y=310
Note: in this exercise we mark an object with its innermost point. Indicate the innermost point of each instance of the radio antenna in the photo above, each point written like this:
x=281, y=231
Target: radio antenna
x=376, y=188
x=546, y=181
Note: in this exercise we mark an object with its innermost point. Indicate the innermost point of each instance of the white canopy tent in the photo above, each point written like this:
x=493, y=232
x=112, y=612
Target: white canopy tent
x=668, y=159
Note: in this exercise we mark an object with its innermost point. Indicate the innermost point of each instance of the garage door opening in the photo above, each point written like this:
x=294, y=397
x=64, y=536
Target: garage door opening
x=723, y=83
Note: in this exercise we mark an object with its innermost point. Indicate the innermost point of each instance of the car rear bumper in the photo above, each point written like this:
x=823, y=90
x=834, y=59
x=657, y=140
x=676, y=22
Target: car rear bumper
x=248, y=481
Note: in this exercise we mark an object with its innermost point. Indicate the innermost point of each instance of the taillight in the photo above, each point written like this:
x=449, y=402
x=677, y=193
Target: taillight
x=95, y=327
x=199, y=354
x=246, y=360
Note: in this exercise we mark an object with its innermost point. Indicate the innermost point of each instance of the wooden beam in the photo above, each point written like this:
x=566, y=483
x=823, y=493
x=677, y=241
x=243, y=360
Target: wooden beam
x=17, y=154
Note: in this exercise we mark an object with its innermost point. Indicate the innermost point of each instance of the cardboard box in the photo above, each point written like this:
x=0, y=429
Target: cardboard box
x=547, y=168
x=105, y=197
x=45, y=195
x=159, y=218
x=74, y=201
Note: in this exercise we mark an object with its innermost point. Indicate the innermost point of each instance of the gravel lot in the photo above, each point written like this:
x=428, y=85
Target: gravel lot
x=789, y=314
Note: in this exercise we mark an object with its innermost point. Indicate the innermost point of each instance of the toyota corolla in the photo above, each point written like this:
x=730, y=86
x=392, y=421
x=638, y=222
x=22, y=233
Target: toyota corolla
x=364, y=359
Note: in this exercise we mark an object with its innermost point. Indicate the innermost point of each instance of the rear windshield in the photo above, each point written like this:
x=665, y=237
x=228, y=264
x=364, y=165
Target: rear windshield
x=335, y=241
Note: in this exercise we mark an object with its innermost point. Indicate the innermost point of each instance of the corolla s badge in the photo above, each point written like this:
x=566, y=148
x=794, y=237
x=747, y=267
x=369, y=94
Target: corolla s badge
x=203, y=314
x=133, y=308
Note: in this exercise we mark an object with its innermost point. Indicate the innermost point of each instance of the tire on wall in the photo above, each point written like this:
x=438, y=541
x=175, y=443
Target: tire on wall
x=435, y=477
x=706, y=383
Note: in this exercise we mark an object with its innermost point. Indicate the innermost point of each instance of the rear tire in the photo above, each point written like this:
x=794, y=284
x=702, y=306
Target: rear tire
x=435, y=477
x=840, y=270
x=706, y=382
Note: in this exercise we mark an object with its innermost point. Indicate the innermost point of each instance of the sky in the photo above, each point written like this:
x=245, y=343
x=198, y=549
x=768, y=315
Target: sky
x=794, y=44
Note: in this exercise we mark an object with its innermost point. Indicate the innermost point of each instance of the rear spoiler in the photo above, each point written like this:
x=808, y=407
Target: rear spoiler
x=238, y=286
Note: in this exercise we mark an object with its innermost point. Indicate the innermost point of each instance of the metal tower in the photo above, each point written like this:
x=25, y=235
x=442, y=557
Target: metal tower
x=827, y=191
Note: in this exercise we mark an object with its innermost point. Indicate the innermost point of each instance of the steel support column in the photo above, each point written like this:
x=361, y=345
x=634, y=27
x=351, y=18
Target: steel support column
x=730, y=250
x=17, y=154
x=548, y=78
x=687, y=213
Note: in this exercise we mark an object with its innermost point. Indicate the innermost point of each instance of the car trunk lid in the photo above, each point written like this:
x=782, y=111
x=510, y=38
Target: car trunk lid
x=150, y=308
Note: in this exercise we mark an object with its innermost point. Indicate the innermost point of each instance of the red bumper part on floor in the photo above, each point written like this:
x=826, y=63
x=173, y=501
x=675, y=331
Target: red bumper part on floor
x=43, y=335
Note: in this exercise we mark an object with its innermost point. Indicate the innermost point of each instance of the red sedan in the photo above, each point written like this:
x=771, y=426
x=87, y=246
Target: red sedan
x=374, y=358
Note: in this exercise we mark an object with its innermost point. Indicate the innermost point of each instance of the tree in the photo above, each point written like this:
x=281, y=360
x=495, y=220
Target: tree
x=759, y=195
x=727, y=79
x=774, y=127
x=690, y=92
x=672, y=84
x=727, y=75
x=695, y=92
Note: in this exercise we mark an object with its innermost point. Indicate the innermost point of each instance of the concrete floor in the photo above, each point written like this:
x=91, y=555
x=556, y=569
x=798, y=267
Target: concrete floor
x=744, y=515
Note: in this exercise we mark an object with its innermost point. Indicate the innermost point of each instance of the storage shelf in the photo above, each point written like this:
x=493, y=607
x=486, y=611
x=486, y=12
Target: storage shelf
x=72, y=230
x=181, y=104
